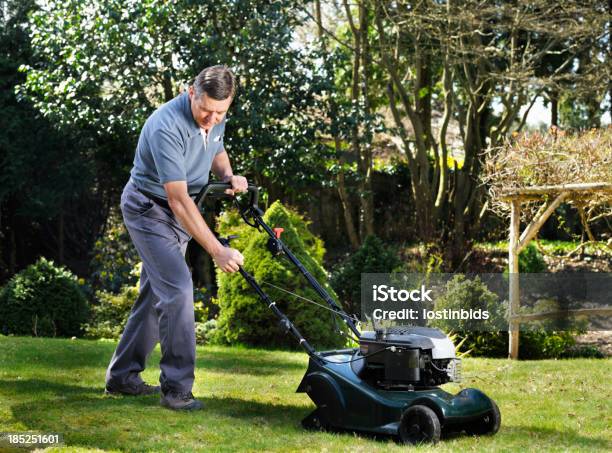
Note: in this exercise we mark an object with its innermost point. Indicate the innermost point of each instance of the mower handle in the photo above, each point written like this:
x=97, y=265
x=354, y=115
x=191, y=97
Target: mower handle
x=217, y=190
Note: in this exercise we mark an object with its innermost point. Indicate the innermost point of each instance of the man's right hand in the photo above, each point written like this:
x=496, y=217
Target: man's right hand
x=228, y=259
x=189, y=217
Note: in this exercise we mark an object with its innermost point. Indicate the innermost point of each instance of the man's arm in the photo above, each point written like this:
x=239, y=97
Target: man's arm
x=222, y=169
x=187, y=213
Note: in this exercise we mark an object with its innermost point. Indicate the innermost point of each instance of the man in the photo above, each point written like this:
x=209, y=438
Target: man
x=180, y=143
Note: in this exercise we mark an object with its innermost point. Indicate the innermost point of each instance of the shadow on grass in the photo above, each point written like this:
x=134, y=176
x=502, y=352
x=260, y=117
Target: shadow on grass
x=39, y=392
x=87, y=418
x=558, y=437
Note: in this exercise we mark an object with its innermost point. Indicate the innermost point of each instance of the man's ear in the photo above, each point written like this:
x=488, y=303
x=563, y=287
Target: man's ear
x=190, y=91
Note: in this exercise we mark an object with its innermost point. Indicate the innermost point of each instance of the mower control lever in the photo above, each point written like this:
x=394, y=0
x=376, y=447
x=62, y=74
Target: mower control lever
x=226, y=241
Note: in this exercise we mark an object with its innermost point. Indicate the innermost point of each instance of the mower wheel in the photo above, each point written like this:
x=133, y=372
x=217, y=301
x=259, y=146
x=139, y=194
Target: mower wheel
x=488, y=424
x=419, y=424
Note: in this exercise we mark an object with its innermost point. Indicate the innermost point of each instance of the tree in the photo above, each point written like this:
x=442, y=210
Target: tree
x=468, y=56
x=351, y=110
x=110, y=63
x=45, y=177
x=102, y=66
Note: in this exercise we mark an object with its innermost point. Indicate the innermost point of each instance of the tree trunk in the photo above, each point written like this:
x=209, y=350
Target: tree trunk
x=366, y=193
x=168, y=90
x=347, y=208
x=318, y=18
x=554, y=109
x=344, y=199
x=60, y=236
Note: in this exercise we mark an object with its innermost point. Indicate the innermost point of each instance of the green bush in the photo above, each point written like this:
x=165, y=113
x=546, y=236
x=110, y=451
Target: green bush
x=548, y=338
x=244, y=317
x=489, y=339
x=205, y=331
x=110, y=311
x=372, y=257
x=482, y=338
x=42, y=300
x=544, y=344
x=531, y=260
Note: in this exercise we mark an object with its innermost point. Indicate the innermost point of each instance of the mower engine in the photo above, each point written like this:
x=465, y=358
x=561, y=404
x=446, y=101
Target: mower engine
x=408, y=357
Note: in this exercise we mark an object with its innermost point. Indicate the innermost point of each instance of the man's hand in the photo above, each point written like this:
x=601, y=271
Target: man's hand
x=239, y=184
x=190, y=218
x=228, y=259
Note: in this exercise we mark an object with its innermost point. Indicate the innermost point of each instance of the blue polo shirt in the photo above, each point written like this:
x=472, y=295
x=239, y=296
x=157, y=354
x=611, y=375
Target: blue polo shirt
x=171, y=147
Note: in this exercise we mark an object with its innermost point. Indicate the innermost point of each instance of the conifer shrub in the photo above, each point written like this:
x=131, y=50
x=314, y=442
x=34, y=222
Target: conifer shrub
x=244, y=317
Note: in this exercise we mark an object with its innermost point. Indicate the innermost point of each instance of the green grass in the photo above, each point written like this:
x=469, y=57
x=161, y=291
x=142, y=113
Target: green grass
x=558, y=248
x=54, y=385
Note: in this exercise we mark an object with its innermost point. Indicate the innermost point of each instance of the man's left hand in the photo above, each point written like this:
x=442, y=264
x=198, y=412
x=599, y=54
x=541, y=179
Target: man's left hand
x=239, y=184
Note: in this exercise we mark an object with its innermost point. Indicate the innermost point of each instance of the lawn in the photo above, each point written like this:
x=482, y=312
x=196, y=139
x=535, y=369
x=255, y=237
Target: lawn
x=557, y=248
x=55, y=385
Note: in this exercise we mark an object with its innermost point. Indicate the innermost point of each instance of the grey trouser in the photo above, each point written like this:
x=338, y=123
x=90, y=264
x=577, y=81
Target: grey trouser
x=163, y=310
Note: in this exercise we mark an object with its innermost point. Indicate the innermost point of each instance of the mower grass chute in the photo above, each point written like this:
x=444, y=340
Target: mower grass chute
x=389, y=385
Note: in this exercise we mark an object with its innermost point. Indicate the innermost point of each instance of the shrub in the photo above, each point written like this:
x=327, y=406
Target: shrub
x=244, y=317
x=42, y=300
x=544, y=344
x=489, y=339
x=110, y=311
x=372, y=257
x=482, y=338
x=531, y=260
x=548, y=338
x=205, y=331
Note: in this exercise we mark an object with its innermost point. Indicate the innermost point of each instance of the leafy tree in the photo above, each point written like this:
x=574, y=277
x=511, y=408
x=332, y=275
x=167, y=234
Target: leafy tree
x=470, y=55
x=109, y=63
x=100, y=67
x=45, y=175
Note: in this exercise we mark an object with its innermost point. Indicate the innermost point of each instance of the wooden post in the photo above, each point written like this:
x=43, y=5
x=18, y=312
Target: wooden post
x=513, y=275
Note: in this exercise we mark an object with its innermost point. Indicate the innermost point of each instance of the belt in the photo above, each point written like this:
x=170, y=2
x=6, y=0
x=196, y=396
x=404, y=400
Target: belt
x=160, y=201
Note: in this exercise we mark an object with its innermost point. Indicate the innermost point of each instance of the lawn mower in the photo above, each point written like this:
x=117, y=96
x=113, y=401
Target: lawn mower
x=389, y=385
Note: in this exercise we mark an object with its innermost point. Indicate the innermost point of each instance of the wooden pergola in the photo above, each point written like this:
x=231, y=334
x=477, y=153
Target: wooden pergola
x=518, y=241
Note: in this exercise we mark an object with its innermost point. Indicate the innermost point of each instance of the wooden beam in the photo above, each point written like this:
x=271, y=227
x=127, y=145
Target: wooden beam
x=538, y=220
x=513, y=276
x=601, y=311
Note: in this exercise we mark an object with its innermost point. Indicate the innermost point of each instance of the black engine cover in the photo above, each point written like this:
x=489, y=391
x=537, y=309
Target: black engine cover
x=399, y=355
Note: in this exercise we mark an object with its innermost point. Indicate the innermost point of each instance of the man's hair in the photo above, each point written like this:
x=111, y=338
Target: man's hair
x=218, y=82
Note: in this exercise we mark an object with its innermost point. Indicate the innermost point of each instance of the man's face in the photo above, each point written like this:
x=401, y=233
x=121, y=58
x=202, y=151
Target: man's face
x=206, y=111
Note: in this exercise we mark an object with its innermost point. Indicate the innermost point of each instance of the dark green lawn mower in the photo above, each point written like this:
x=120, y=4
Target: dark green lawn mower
x=389, y=385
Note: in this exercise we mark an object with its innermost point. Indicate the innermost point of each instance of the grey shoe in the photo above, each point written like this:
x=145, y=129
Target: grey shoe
x=180, y=401
x=133, y=389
